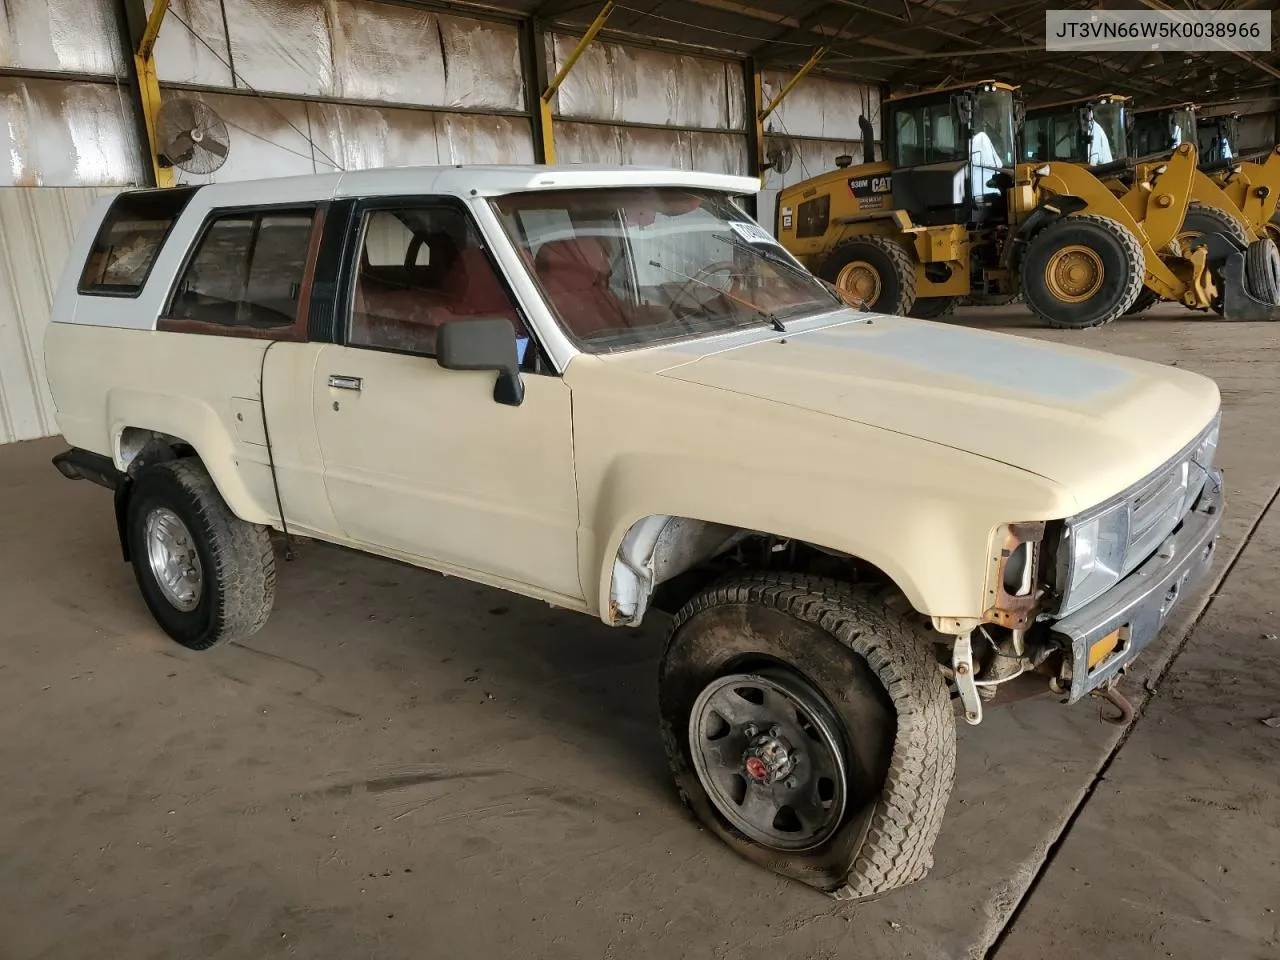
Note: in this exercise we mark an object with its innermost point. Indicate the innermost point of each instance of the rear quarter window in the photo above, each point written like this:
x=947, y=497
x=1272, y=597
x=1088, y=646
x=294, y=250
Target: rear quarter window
x=129, y=240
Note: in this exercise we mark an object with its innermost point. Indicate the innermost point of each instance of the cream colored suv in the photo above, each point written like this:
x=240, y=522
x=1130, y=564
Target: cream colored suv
x=611, y=390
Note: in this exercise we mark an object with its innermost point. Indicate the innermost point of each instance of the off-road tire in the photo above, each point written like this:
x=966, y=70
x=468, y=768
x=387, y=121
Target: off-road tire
x=237, y=563
x=1205, y=219
x=1262, y=270
x=990, y=299
x=1147, y=298
x=873, y=661
x=1122, y=265
x=889, y=259
x=933, y=308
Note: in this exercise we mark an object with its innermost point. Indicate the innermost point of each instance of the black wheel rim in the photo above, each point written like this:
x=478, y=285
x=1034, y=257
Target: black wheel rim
x=767, y=751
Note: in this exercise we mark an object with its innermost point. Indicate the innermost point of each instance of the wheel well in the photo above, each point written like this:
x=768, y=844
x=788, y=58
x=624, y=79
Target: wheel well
x=665, y=561
x=140, y=447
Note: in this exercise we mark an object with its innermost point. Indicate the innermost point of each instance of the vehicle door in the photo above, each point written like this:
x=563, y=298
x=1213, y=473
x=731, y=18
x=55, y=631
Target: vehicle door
x=422, y=461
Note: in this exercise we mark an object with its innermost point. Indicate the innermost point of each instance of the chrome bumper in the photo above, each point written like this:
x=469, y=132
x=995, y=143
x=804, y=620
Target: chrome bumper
x=1140, y=604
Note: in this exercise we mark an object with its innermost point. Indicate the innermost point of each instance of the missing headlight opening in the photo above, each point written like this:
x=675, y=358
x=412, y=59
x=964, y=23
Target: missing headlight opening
x=1013, y=595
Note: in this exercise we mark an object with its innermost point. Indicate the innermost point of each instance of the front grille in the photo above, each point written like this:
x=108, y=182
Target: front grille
x=1156, y=510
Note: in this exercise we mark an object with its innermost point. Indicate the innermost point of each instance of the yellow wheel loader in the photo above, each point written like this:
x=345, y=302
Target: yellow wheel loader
x=1092, y=131
x=950, y=213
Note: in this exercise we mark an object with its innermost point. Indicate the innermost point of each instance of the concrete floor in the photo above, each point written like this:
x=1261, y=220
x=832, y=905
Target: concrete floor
x=402, y=765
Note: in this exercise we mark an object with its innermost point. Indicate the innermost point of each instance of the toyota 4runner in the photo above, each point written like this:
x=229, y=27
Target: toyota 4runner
x=611, y=390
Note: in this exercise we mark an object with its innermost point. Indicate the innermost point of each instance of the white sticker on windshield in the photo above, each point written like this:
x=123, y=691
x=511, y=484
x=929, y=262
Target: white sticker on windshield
x=751, y=232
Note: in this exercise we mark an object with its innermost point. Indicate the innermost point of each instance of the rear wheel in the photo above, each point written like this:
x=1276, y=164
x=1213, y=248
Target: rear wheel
x=810, y=729
x=874, y=270
x=931, y=308
x=1082, y=271
x=207, y=576
x=1147, y=298
x=990, y=299
x=1202, y=219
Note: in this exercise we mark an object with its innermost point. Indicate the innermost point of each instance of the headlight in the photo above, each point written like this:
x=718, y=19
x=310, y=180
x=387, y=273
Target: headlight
x=1096, y=554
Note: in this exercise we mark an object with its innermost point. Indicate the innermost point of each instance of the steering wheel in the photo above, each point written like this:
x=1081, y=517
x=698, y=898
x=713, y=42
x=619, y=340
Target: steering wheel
x=703, y=282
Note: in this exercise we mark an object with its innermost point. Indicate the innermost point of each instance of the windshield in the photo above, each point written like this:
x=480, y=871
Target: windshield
x=1107, y=140
x=1217, y=140
x=993, y=128
x=627, y=267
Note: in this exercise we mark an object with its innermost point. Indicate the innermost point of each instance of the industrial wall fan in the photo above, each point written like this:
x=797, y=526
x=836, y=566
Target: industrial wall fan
x=191, y=136
x=779, y=152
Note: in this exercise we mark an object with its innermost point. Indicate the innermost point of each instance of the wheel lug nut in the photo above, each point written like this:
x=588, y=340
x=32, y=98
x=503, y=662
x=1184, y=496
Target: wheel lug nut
x=750, y=730
x=775, y=731
x=791, y=783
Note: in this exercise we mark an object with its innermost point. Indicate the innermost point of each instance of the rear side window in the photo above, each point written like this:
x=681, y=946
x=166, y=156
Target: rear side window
x=247, y=270
x=129, y=240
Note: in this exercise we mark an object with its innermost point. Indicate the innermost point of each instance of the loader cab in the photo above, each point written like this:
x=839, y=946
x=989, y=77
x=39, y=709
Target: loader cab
x=1158, y=131
x=952, y=152
x=1217, y=139
x=1089, y=131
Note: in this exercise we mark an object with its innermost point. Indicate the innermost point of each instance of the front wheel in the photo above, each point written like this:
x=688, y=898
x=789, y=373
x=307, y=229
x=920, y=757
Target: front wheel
x=810, y=729
x=1082, y=271
x=873, y=270
x=207, y=576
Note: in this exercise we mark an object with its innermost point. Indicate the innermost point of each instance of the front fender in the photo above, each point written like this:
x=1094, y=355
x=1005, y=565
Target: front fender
x=935, y=546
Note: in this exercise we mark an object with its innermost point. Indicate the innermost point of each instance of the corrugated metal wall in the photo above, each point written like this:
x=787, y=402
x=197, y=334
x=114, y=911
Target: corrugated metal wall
x=37, y=228
x=819, y=118
x=627, y=105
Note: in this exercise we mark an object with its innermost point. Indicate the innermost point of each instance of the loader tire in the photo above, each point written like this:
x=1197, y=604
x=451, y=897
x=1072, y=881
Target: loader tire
x=990, y=299
x=1262, y=270
x=843, y=679
x=1147, y=298
x=876, y=270
x=1082, y=271
x=933, y=308
x=1201, y=220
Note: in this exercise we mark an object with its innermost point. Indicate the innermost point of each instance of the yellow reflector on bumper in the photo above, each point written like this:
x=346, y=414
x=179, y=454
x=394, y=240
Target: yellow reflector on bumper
x=1101, y=649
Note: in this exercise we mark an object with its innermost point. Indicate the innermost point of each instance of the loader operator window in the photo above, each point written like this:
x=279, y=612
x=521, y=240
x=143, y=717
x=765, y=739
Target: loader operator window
x=927, y=133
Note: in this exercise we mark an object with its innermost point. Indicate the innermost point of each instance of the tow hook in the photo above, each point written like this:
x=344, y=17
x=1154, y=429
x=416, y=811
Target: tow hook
x=1113, y=696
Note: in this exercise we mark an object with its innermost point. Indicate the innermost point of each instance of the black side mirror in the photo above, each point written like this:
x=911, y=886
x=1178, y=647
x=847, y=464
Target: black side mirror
x=487, y=343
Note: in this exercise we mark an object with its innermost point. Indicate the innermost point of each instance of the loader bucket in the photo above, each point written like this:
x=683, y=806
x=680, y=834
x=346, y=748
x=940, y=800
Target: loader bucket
x=1226, y=258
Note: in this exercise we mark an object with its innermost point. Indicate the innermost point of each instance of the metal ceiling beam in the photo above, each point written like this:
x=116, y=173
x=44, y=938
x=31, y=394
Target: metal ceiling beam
x=1244, y=55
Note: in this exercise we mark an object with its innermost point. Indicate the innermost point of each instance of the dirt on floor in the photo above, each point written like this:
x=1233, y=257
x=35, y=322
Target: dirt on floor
x=406, y=766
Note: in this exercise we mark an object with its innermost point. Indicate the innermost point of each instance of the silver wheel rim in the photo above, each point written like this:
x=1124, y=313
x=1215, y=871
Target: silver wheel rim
x=765, y=749
x=175, y=564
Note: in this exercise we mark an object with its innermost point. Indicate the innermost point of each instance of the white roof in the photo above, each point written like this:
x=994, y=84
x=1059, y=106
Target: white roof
x=466, y=180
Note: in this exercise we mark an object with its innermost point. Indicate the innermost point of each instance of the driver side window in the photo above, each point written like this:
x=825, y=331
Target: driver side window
x=420, y=267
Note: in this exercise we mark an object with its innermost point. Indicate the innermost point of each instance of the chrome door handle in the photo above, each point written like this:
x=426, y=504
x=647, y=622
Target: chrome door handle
x=339, y=382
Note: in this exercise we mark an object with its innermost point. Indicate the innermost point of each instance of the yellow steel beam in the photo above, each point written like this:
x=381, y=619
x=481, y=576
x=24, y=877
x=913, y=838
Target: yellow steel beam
x=149, y=88
x=790, y=84
x=544, y=102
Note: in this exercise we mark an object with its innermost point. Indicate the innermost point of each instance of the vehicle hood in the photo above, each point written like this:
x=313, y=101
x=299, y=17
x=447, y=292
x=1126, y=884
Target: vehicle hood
x=1092, y=422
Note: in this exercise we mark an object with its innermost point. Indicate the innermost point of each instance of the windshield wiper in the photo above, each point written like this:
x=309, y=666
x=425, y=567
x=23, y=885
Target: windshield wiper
x=766, y=253
x=759, y=311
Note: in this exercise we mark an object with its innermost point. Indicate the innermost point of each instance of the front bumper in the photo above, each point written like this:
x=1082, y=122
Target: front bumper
x=1139, y=605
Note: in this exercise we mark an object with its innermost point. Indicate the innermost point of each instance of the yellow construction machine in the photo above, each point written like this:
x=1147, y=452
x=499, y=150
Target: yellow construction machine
x=1122, y=146
x=950, y=212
